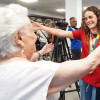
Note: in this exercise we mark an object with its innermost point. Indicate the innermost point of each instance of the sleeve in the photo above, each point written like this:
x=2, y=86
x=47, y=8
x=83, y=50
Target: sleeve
x=24, y=80
x=45, y=74
x=37, y=78
x=77, y=34
x=47, y=65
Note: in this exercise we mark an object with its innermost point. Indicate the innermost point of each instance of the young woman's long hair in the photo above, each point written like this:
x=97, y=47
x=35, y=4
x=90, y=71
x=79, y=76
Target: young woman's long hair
x=96, y=11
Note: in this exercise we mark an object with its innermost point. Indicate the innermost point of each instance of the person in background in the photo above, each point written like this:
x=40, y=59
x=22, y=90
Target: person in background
x=43, y=38
x=53, y=40
x=89, y=34
x=64, y=24
x=75, y=44
x=52, y=37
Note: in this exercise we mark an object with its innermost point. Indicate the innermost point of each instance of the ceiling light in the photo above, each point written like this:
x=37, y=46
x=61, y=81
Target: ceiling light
x=29, y=1
x=60, y=10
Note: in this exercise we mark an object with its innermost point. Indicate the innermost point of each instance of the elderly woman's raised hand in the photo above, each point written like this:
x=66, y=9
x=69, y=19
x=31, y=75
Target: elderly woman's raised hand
x=47, y=48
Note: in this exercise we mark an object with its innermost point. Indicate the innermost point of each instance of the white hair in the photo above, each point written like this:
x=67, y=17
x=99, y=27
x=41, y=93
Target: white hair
x=12, y=18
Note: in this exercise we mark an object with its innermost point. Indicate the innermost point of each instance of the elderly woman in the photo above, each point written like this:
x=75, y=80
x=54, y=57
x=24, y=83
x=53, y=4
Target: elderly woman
x=21, y=79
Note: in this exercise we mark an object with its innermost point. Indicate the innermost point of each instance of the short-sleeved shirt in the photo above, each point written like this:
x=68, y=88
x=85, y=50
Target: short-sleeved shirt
x=75, y=44
x=43, y=35
x=94, y=78
x=23, y=80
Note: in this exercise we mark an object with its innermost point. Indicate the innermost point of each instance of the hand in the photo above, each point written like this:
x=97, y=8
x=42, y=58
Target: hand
x=36, y=26
x=47, y=48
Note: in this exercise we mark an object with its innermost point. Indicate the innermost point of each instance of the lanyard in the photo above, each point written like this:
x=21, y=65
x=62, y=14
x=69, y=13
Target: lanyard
x=93, y=43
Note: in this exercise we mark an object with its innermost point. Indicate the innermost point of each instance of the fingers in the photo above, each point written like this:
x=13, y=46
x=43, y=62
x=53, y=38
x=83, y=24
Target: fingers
x=51, y=46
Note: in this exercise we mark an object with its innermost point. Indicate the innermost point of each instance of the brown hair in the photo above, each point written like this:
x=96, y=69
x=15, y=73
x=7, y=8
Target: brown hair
x=96, y=11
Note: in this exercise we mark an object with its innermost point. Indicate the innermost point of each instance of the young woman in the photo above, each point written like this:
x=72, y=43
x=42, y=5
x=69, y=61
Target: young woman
x=89, y=34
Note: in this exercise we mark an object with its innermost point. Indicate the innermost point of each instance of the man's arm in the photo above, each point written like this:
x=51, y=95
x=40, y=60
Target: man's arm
x=70, y=71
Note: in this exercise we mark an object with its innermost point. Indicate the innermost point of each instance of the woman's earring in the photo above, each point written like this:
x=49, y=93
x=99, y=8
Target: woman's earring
x=22, y=50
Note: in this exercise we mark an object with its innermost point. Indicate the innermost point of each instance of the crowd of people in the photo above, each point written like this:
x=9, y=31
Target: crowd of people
x=24, y=78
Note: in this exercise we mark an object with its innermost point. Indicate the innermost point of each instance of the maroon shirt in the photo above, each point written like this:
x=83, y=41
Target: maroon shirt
x=94, y=78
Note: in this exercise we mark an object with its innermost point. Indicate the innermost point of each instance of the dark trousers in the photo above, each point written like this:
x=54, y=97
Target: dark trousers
x=98, y=93
x=76, y=54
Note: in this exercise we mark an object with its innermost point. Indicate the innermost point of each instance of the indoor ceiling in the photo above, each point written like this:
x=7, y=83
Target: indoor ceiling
x=49, y=6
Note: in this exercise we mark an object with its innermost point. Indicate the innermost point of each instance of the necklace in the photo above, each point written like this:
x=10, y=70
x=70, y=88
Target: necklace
x=93, y=43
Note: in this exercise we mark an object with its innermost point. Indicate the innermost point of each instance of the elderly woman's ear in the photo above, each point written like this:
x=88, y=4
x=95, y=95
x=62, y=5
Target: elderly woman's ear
x=18, y=39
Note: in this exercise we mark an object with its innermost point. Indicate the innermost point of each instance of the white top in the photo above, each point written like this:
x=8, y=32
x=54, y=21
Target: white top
x=23, y=80
x=42, y=37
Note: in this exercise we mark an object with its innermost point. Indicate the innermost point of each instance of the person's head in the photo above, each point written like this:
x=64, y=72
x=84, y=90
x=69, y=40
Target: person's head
x=91, y=19
x=73, y=22
x=16, y=31
x=52, y=25
x=49, y=23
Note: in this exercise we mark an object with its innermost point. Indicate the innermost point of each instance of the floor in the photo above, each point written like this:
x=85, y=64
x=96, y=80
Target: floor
x=72, y=95
x=68, y=96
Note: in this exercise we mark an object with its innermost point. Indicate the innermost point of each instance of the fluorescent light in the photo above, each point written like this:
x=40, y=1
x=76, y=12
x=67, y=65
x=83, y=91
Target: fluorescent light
x=29, y=1
x=60, y=10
